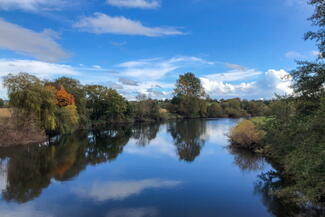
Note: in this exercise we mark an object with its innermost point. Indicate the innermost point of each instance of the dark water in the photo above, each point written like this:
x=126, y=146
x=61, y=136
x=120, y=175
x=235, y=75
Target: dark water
x=178, y=169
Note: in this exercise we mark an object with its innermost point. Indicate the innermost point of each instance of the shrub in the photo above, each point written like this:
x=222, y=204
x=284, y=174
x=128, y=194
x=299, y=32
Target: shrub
x=246, y=135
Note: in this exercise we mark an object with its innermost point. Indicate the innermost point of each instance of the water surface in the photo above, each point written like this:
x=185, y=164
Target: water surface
x=177, y=169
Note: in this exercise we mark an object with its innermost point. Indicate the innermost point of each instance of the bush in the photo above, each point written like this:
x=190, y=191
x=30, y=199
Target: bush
x=246, y=135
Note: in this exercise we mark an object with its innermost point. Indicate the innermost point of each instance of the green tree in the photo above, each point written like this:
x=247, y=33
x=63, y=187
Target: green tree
x=146, y=109
x=232, y=108
x=106, y=104
x=187, y=96
x=215, y=110
x=189, y=85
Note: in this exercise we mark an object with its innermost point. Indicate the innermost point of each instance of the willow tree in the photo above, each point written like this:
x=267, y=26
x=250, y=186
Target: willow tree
x=30, y=97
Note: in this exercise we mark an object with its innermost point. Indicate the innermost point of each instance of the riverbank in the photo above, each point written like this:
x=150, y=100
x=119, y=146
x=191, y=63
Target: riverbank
x=295, y=146
x=18, y=129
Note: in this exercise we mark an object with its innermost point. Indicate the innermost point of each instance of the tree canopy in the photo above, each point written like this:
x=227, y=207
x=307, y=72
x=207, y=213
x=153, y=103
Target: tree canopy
x=189, y=85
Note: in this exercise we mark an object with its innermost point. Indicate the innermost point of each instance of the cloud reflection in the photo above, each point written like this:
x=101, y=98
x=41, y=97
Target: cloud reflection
x=134, y=212
x=119, y=190
x=23, y=210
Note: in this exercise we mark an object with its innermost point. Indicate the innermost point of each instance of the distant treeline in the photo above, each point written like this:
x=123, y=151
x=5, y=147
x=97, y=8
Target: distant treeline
x=64, y=105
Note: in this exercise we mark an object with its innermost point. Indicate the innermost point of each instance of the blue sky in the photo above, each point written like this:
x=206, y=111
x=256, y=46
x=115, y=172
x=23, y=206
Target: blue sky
x=241, y=48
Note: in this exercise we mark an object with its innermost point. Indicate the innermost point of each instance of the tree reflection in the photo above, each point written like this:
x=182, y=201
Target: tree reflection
x=31, y=168
x=279, y=204
x=106, y=145
x=188, y=138
x=144, y=133
x=27, y=172
x=247, y=160
x=270, y=187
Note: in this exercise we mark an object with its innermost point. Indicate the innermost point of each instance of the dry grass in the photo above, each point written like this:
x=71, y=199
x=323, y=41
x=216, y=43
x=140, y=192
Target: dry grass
x=246, y=135
x=5, y=113
x=18, y=129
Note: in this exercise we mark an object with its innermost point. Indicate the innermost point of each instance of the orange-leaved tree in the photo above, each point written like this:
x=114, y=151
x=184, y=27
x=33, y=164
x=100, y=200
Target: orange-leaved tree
x=64, y=98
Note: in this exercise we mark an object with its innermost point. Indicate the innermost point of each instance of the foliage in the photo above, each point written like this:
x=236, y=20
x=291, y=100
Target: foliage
x=318, y=19
x=67, y=118
x=2, y=103
x=295, y=130
x=28, y=94
x=64, y=98
x=76, y=89
x=215, y=110
x=105, y=104
x=54, y=109
x=64, y=105
x=189, y=85
x=255, y=108
x=146, y=109
x=232, y=108
x=246, y=135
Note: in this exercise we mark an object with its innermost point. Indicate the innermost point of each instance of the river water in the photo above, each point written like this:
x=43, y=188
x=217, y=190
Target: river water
x=177, y=169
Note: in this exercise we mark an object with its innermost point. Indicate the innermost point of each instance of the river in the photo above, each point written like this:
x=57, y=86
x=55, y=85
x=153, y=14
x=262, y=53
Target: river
x=176, y=169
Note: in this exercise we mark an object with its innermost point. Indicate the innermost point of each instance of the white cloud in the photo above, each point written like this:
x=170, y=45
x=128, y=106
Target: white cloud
x=235, y=66
x=129, y=82
x=296, y=2
x=155, y=69
x=119, y=190
x=315, y=53
x=273, y=81
x=280, y=80
x=112, y=85
x=31, y=5
x=234, y=75
x=144, y=4
x=306, y=55
x=38, y=68
x=219, y=89
x=97, y=67
x=294, y=55
x=105, y=24
x=26, y=41
x=148, y=88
